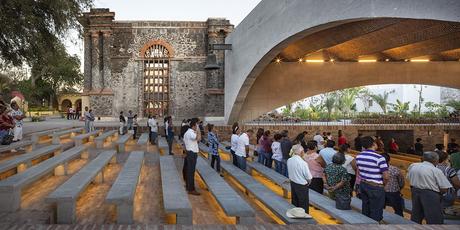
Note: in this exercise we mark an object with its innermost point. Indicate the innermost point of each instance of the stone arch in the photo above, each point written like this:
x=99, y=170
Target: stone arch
x=255, y=46
x=156, y=42
x=65, y=104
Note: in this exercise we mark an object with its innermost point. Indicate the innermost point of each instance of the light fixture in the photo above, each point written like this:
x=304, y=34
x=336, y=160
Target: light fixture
x=367, y=60
x=314, y=60
x=332, y=60
x=406, y=60
x=300, y=60
x=419, y=60
x=277, y=60
x=387, y=59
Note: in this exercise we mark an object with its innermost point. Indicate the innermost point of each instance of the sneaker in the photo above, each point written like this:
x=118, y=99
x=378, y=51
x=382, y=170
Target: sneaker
x=194, y=192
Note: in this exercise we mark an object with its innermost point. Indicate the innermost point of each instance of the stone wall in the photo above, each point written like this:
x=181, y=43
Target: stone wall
x=430, y=134
x=122, y=64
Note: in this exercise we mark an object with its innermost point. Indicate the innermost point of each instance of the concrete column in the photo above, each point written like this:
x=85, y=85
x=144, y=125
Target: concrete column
x=446, y=139
x=95, y=61
x=87, y=63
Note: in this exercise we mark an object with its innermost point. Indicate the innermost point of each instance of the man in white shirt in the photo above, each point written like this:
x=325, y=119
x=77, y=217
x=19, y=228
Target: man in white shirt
x=234, y=144
x=153, y=124
x=18, y=116
x=319, y=140
x=191, y=139
x=300, y=177
x=242, y=149
x=427, y=183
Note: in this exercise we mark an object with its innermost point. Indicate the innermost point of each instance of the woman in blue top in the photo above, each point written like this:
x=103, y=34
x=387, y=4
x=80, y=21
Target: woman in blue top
x=213, y=148
x=169, y=133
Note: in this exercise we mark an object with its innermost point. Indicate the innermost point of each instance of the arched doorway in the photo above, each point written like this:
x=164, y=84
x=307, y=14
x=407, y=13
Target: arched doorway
x=156, y=80
x=78, y=105
x=66, y=104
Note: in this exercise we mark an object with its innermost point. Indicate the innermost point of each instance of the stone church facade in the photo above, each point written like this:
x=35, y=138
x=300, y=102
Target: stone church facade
x=152, y=67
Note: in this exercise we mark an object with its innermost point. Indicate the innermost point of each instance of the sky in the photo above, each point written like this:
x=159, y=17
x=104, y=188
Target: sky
x=174, y=10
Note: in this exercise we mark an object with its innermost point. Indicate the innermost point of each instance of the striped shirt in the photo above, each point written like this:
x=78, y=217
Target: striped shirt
x=371, y=166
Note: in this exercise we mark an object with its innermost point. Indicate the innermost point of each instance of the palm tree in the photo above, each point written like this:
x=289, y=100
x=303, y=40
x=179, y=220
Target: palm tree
x=454, y=104
x=382, y=100
x=329, y=103
x=347, y=99
x=400, y=108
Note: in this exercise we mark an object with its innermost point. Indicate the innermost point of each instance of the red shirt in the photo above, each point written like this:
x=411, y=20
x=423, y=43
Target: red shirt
x=342, y=140
x=6, y=120
x=394, y=147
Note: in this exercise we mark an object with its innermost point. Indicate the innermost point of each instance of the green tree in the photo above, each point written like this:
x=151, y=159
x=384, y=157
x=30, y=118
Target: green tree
x=287, y=110
x=382, y=100
x=56, y=71
x=29, y=25
x=329, y=102
x=400, y=108
x=454, y=104
x=347, y=100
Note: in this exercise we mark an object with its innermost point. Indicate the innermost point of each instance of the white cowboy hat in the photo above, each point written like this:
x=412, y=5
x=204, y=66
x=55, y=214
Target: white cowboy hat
x=297, y=213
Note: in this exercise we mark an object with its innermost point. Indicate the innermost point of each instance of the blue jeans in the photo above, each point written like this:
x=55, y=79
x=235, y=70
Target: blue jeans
x=278, y=166
x=373, y=200
x=2, y=134
x=153, y=138
x=260, y=156
x=268, y=159
x=284, y=169
x=241, y=163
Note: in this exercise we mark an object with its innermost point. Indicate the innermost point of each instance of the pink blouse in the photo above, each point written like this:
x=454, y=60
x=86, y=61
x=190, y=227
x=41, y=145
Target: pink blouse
x=315, y=168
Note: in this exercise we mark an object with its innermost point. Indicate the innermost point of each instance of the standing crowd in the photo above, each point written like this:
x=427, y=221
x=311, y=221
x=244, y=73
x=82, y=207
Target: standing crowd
x=322, y=166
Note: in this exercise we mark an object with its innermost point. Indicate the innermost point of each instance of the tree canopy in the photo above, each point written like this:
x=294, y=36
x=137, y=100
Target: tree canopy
x=26, y=26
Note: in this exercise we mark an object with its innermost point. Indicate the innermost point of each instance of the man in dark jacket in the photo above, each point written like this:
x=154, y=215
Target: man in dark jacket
x=286, y=146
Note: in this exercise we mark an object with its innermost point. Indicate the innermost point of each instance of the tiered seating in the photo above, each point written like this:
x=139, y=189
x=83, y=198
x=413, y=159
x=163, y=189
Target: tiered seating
x=123, y=190
x=143, y=140
x=24, y=161
x=103, y=137
x=10, y=188
x=86, y=136
x=228, y=199
x=56, y=136
x=175, y=199
x=65, y=196
x=16, y=145
x=121, y=142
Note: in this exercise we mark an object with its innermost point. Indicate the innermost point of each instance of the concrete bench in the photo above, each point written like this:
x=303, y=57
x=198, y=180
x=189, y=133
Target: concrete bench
x=16, y=145
x=10, y=188
x=162, y=143
x=388, y=217
x=65, y=196
x=175, y=199
x=276, y=204
x=123, y=190
x=121, y=142
x=273, y=176
x=228, y=199
x=56, y=136
x=86, y=136
x=24, y=161
x=143, y=140
x=35, y=137
x=103, y=137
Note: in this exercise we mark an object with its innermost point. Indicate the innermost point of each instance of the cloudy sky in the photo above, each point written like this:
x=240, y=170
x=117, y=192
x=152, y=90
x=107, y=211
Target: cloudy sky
x=177, y=10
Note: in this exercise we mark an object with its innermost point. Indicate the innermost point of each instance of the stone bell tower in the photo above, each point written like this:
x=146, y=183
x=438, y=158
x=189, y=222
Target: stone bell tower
x=97, y=92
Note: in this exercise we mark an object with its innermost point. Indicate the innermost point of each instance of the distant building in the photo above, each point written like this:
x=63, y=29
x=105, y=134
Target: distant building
x=152, y=67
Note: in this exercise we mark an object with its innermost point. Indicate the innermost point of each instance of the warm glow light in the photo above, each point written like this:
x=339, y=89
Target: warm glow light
x=278, y=60
x=368, y=60
x=419, y=60
x=314, y=61
x=300, y=60
x=387, y=59
x=332, y=60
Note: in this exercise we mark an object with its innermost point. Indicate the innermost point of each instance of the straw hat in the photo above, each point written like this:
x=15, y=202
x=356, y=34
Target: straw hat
x=297, y=213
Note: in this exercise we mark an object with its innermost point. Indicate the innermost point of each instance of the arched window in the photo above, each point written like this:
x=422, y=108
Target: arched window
x=156, y=80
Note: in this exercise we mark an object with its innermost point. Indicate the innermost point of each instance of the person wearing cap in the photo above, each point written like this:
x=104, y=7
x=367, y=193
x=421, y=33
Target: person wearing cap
x=427, y=184
x=300, y=177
